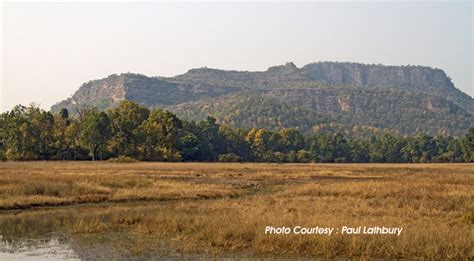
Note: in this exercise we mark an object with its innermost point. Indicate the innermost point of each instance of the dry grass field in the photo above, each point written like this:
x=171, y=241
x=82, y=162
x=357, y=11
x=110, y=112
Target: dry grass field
x=224, y=208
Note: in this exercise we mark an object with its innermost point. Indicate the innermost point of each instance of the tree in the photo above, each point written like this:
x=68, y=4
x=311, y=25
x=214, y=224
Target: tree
x=376, y=153
x=323, y=148
x=291, y=140
x=427, y=146
x=95, y=132
x=42, y=132
x=28, y=133
x=190, y=148
x=235, y=142
x=2, y=137
x=449, y=149
x=125, y=120
x=15, y=138
x=468, y=146
x=192, y=144
x=391, y=148
x=213, y=139
x=265, y=144
x=360, y=151
x=411, y=152
x=161, y=135
x=64, y=114
x=342, y=151
x=61, y=123
x=72, y=139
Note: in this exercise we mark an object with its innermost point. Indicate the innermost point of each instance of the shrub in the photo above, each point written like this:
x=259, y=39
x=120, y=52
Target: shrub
x=340, y=160
x=229, y=157
x=303, y=156
x=172, y=156
x=122, y=159
x=292, y=156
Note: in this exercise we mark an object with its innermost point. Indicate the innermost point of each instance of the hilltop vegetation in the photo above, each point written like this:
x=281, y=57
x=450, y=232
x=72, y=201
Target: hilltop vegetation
x=401, y=99
x=398, y=111
x=131, y=130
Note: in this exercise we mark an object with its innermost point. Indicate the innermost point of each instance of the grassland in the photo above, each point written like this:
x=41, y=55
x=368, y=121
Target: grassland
x=224, y=208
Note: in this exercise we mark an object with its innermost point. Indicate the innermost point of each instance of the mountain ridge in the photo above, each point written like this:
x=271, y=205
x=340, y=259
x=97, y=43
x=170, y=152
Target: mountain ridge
x=442, y=105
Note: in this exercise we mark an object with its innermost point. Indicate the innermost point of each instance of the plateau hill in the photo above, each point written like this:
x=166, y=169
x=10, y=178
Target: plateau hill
x=402, y=99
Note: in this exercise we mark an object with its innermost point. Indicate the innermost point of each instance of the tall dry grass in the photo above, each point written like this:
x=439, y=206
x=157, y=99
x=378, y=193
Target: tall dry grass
x=434, y=203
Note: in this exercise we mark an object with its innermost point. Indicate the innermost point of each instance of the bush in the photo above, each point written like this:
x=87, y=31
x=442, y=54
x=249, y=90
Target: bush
x=229, y=157
x=292, y=156
x=340, y=160
x=122, y=159
x=303, y=156
x=172, y=156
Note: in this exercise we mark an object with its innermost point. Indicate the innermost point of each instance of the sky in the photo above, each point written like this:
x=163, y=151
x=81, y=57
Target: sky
x=50, y=49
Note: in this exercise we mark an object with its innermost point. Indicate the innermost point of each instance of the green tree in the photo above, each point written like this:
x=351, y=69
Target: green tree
x=190, y=147
x=28, y=133
x=411, y=152
x=235, y=142
x=326, y=147
x=161, y=132
x=125, y=120
x=376, y=153
x=95, y=132
x=468, y=146
x=2, y=137
x=342, y=150
x=291, y=140
x=72, y=139
x=213, y=139
x=61, y=123
x=427, y=146
x=391, y=148
x=265, y=144
x=360, y=151
x=42, y=132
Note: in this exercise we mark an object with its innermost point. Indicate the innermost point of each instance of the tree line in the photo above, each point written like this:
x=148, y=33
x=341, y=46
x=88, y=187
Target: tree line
x=131, y=130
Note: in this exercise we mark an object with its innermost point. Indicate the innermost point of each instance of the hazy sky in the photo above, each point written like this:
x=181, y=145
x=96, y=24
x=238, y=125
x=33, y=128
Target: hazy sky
x=49, y=49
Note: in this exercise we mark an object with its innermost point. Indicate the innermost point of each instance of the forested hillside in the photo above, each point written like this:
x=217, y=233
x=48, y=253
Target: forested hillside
x=306, y=109
x=373, y=98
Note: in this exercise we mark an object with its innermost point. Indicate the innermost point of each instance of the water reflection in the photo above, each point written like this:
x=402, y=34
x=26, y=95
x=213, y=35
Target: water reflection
x=46, y=249
x=97, y=232
x=79, y=233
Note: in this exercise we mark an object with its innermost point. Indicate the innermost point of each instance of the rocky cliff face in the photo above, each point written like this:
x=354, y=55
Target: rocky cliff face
x=99, y=93
x=347, y=93
x=411, y=78
x=148, y=91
